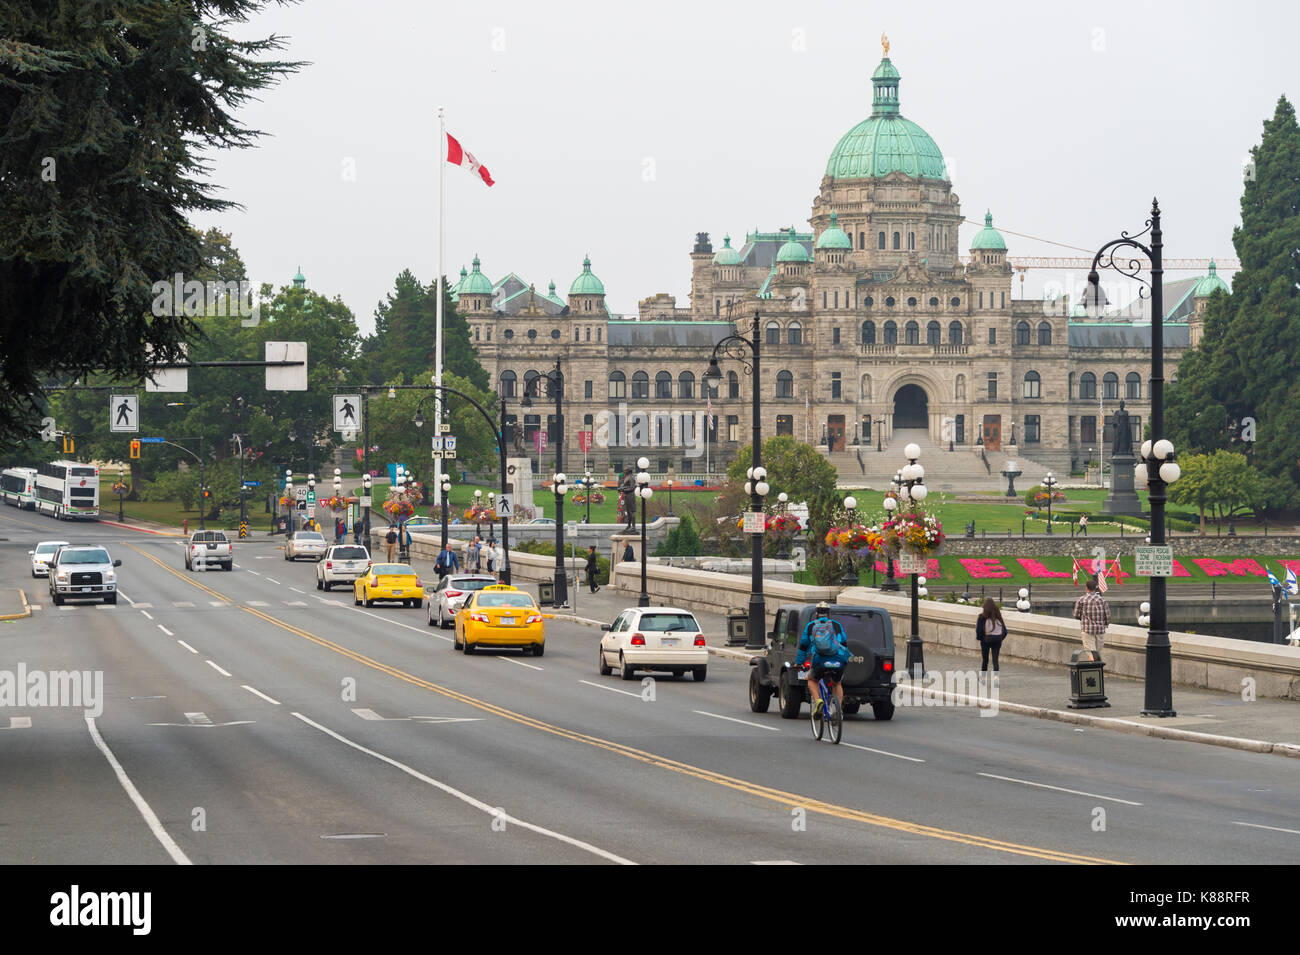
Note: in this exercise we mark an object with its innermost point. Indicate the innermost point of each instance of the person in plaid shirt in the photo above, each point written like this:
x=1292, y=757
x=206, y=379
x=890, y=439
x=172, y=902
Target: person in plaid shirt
x=1093, y=615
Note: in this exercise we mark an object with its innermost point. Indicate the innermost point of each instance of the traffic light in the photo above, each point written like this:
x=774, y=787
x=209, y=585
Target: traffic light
x=135, y=448
x=69, y=445
x=206, y=493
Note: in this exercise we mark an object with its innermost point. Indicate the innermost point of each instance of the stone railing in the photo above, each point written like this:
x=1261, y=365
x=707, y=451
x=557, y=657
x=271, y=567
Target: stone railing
x=1060, y=544
x=709, y=590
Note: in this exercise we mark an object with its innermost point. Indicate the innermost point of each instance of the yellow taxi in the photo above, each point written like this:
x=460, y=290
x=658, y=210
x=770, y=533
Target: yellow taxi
x=388, y=582
x=501, y=616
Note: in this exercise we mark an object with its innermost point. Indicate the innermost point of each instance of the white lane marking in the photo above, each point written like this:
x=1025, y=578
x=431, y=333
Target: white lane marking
x=369, y=714
x=494, y=811
x=398, y=623
x=182, y=603
x=142, y=606
x=19, y=723
x=238, y=566
x=126, y=598
x=217, y=668
x=257, y=692
x=105, y=607
x=612, y=689
x=881, y=752
x=297, y=591
x=218, y=603
x=187, y=646
x=198, y=718
x=165, y=630
x=150, y=818
x=36, y=607
x=295, y=603
x=256, y=603
x=775, y=862
x=272, y=580
x=251, y=571
x=732, y=719
x=521, y=663
x=366, y=714
x=1255, y=825
x=1073, y=792
x=147, y=614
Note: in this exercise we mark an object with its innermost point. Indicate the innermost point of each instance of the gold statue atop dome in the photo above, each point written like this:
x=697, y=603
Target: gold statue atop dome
x=884, y=43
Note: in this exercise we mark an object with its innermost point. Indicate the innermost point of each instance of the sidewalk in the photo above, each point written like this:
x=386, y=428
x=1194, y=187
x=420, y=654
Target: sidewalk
x=13, y=604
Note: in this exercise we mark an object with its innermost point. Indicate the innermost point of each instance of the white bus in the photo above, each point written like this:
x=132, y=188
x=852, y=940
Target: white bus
x=67, y=490
x=18, y=487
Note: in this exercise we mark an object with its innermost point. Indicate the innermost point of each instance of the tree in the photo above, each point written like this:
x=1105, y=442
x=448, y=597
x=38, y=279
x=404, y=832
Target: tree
x=1222, y=482
x=404, y=344
x=802, y=473
x=1256, y=328
x=105, y=120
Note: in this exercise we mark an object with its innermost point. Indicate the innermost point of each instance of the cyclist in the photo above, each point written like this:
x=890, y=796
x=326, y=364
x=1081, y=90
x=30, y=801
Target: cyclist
x=823, y=641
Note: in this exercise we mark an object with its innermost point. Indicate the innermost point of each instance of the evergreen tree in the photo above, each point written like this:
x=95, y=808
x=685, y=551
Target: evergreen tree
x=1248, y=361
x=404, y=345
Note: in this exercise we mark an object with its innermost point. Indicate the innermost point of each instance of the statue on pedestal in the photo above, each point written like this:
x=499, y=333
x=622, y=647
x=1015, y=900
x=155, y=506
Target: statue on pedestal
x=626, y=505
x=1123, y=433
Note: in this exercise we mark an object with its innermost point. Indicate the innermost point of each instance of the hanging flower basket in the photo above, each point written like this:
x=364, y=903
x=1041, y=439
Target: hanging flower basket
x=853, y=540
x=597, y=497
x=121, y=488
x=914, y=532
x=480, y=514
x=335, y=503
x=286, y=501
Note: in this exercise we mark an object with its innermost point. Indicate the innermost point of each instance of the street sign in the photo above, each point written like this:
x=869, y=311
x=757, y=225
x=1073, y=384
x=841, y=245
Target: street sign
x=286, y=377
x=363, y=501
x=311, y=510
x=124, y=414
x=911, y=564
x=437, y=443
x=446, y=427
x=754, y=522
x=505, y=505
x=252, y=484
x=449, y=444
x=311, y=497
x=347, y=413
x=1154, y=561
x=300, y=493
x=150, y=440
x=169, y=379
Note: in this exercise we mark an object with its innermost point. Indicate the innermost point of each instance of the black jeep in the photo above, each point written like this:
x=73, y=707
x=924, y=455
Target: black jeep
x=869, y=677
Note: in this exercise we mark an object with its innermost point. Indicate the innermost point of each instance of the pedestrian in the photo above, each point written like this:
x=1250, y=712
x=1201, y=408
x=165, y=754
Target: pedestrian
x=593, y=568
x=1083, y=524
x=501, y=561
x=391, y=540
x=990, y=631
x=491, y=555
x=340, y=530
x=356, y=532
x=404, y=538
x=474, y=556
x=1093, y=615
x=627, y=553
x=447, y=562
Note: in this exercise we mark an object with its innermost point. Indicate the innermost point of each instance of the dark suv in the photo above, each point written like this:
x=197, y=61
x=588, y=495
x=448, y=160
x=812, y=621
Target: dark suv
x=869, y=677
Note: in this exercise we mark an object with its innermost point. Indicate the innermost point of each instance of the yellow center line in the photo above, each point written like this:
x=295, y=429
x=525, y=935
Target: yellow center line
x=786, y=799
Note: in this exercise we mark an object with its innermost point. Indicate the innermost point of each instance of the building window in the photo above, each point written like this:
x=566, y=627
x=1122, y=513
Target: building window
x=509, y=334
x=1088, y=387
x=773, y=334
x=837, y=299
x=961, y=429
x=911, y=302
x=587, y=387
x=1033, y=385
x=509, y=384
x=1022, y=333
x=837, y=386
x=934, y=302
x=475, y=333
x=1088, y=429
x=993, y=336
x=586, y=306
x=1069, y=389
x=1110, y=385
x=911, y=241
x=981, y=299
x=577, y=334
x=597, y=333
x=785, y=424
x=784, y=384
x=880, y=241
x=835, y=335
x=717, y=307
x=870, y=301
x=868, y=333
x=663, y=385
x=733, y=427
x=794, y=335
x=555, y=334
x=1033, y=429
x=1133, y=385
x=640, y=386
x=733, y=385
x=862, y=240
x=933, y=334
x=889, y=302
x=588, y=333
x=532, y=334
x=824, y=297
x=993, y=385
x=954, y=333
x=898, y=241
x=588, y=420
x=1044, y=333
x=1002, y=298
x=912, y=333
x=532, y=387
x=956, y=303
x=686, y=385
x=891, y=333
x=489, y=333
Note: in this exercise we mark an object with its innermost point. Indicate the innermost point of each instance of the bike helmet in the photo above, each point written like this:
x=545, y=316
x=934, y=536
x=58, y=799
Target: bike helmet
x=823, y=607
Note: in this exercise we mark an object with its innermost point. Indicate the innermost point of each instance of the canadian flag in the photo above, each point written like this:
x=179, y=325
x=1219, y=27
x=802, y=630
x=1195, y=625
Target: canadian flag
x=457, y=155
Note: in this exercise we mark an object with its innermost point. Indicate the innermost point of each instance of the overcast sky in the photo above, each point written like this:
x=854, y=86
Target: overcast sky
x=621, y=130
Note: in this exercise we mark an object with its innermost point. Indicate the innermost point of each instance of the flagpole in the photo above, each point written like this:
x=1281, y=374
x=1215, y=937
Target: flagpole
x=437, y=368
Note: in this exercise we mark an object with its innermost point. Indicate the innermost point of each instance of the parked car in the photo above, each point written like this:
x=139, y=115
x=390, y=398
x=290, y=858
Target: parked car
x=209, y=549
x=85, y=571
x=342, y=563
x=654, y=638
x=41, y=556
x=450, y=595
x=388, y=582
x=305, y=544
x=868, y=678
x=500, y=615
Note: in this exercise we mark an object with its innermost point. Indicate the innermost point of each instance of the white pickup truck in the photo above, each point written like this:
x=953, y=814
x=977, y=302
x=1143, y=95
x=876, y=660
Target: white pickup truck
x=208, y=550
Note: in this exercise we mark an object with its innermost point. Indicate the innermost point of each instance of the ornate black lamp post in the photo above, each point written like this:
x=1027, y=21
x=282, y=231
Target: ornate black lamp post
x=891, y=582
x=746, y=351
x=1049, y=484
x=446, y=508
x=644, y=491
x=559, y=484
x=850, y=572
x=782, y=506
x=880, y=425
x=1157, y=466
x=587, y=485
x=120, y=491
x=367, y=485
x=478, y=500
x=669, y=484
x=338, y=493
x=912, y=489
x=1011, y=472
x=556, y=380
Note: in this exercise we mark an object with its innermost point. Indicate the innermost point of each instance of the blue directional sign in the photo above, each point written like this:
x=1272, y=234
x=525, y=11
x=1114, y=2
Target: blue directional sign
x=252, y=484
x=150, y=440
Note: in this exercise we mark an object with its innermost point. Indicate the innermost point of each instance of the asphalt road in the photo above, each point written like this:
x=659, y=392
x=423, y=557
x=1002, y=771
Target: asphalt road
x=248, y=718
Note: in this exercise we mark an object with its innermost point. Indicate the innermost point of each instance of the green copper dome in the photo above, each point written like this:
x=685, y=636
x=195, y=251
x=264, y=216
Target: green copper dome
x=834, y=237
x=988, y=239
x=299, y=280
x=586, y=283
x=886, y=142
x=476, y=283
x=792, y=251
x=551, y=296
x=1210, y=284
x=726, y=255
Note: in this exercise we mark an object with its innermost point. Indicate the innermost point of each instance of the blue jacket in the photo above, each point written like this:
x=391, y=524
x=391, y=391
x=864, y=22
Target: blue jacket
x=807, y=650
x=448, y=561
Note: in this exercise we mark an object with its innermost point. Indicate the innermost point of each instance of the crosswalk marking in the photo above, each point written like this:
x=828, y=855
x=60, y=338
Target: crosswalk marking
x=142, y=606
x=198, y=718
x=19, y=723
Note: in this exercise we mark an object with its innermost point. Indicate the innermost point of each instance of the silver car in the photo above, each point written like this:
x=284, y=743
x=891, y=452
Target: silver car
x=450, y=595
x=41, y=556
x=342, y=563
x=305, y=544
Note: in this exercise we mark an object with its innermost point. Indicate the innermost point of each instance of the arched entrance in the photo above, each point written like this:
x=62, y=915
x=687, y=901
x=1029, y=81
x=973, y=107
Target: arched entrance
x=911, y=408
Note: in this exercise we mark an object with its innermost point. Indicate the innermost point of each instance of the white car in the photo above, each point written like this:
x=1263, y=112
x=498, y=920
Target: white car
x=342, y=563
x=450, y=595
x=305, y=544
x=654, y=638
x=41, y=557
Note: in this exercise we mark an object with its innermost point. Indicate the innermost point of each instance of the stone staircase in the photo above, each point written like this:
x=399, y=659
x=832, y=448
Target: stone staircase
x=962, y=470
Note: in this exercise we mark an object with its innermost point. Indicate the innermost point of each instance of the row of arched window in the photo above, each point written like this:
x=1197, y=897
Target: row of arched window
x=1024, y=333
x=912, y=333
x=1109, y=385
x=663, y=385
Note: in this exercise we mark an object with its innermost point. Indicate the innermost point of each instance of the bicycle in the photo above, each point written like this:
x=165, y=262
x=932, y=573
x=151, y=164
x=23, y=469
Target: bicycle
x=832, y=713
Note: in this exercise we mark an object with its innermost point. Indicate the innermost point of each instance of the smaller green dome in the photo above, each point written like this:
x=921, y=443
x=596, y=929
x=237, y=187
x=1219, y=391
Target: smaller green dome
x=988, y=239
x=476, y=283
x=299, y=280
x=1210, y=284
x=792, y=251
x=834, y=237
x=726, y=255
x=551, y=296
x=587, y=283
x=885, y=71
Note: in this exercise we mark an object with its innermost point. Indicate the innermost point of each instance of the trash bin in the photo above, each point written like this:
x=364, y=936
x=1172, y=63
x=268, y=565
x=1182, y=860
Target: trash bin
x=737, y=629
x=282, y=525
x=546, y=591
x=1087, y=682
